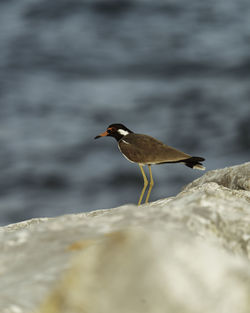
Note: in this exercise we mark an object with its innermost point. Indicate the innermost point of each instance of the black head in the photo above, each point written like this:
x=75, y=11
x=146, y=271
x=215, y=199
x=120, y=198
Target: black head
x=115, y=130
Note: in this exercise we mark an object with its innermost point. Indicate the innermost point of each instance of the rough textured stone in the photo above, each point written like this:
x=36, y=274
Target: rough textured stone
x=189, y=253
x=235, y=177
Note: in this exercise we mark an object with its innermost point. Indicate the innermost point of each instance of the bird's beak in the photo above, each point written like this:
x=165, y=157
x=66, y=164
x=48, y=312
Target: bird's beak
x=102, y=135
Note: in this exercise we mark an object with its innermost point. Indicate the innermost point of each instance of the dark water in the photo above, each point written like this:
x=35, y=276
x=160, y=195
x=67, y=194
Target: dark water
x=177, y=70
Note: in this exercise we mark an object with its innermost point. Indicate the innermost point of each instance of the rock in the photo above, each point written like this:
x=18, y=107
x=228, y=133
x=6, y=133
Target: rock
x=189, y=253
x=235, y=177
x=134, y=271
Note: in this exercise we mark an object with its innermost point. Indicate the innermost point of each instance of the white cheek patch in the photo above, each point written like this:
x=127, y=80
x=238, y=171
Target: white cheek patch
x=123, y=132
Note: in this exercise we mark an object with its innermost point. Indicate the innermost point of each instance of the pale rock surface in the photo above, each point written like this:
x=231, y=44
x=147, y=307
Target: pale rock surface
x=189, y=253
x=236, y=177
x=136, y=271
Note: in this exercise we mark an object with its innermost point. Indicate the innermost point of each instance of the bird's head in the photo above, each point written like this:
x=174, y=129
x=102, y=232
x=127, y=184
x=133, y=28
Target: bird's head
x=115, y=130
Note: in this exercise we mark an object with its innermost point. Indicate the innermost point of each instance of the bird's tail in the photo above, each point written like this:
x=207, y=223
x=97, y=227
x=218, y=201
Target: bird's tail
x=194, y=162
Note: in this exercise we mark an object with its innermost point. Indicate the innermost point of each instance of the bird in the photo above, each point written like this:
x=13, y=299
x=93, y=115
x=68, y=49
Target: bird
x=146, y=150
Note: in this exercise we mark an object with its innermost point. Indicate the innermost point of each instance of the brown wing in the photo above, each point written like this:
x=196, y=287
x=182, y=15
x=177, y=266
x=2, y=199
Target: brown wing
x=148, y=150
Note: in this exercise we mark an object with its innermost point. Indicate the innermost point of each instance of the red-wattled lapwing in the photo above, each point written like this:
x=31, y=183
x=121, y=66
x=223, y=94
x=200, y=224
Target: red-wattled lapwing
x=146, y=150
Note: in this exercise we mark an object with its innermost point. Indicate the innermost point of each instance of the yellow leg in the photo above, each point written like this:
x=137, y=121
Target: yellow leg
x=151, y=183
x=145, y=184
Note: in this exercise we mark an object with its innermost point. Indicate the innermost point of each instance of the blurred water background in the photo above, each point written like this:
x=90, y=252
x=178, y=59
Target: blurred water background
x=177, y=70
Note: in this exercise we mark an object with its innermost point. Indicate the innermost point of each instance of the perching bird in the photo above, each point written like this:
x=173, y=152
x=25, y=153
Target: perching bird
x=146, y=150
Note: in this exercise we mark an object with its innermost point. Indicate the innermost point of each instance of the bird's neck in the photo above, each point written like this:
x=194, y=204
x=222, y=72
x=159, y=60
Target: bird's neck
x=121, y=133
x=118, y=136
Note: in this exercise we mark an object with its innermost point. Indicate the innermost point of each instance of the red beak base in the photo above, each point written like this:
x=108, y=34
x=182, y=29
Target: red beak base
x=102, y=135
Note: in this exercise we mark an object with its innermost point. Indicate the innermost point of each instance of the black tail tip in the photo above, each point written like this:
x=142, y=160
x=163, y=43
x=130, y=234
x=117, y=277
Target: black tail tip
x=194, y=162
